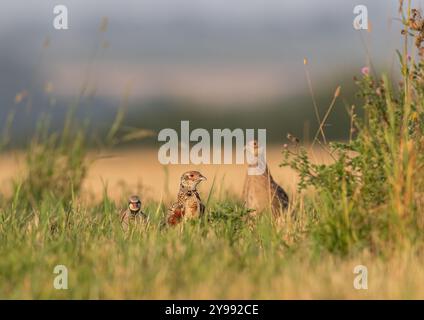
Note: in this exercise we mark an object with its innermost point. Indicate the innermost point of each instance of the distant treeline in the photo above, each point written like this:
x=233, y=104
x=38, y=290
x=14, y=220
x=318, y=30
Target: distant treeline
x=293, y=115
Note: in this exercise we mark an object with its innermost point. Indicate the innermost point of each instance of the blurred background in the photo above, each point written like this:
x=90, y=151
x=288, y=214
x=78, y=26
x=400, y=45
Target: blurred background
x=218, y=63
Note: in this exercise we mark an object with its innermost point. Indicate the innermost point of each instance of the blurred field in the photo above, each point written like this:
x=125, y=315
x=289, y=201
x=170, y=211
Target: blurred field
x=139, y=171
x=224, y=258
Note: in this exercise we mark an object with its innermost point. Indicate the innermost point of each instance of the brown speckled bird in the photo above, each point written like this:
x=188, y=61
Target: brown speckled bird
x=261, y=192
x=133, y=213
x=188, y=205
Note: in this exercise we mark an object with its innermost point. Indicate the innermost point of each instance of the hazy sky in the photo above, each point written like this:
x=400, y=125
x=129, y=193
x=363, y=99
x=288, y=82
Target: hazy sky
x=220, y=50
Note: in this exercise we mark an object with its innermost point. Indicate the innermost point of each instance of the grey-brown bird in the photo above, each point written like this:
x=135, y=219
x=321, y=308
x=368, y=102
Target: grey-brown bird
x=260, y=191
x=188, y=205
x=133, y=214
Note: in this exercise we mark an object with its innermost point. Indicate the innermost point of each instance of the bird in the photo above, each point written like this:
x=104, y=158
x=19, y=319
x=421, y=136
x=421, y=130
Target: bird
x=260, y=191
x=189, y=204
x=133, y=213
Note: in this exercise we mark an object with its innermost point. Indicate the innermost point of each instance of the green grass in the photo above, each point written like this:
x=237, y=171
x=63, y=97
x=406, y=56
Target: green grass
x=225, y=255
x=148, y=261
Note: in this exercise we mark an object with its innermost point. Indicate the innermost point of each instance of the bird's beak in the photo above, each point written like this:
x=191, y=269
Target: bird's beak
x=203, y=178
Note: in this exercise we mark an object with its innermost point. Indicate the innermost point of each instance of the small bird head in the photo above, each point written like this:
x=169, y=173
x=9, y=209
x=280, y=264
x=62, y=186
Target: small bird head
x=134, y=204
x=191, y=179
x=256, y=157
x=255, y=150
x=252, y=147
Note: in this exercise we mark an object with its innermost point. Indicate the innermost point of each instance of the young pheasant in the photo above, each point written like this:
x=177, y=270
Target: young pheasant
x=133, y=213
x=188, y=205
x=261, y=192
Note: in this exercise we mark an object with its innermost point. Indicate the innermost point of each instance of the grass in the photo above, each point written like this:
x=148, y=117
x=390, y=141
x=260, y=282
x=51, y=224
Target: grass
x=223, y=256
x=363, y=207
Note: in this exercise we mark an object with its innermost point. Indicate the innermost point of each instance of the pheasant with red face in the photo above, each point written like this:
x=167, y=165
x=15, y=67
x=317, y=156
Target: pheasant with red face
x=188, y=205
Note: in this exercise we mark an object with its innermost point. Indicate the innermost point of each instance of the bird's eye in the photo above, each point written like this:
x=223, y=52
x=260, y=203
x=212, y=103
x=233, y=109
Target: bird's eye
x=191, y=176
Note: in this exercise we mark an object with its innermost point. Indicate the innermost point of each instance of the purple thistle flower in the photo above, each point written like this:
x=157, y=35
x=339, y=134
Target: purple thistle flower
x=365, y=71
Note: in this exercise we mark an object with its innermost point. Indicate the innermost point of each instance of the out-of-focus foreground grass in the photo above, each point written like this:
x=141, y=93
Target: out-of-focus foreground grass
x=224, y=257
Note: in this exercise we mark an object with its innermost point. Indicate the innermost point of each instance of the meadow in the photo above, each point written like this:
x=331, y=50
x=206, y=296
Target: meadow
x=226, y=255
x=355, y=202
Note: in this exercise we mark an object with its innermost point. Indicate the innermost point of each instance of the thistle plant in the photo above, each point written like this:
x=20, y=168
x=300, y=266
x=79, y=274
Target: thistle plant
x=369, y=196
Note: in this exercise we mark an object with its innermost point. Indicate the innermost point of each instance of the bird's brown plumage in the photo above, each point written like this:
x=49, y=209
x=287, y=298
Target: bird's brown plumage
x=261, y=192
x=133, y=214
x=188, y=205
